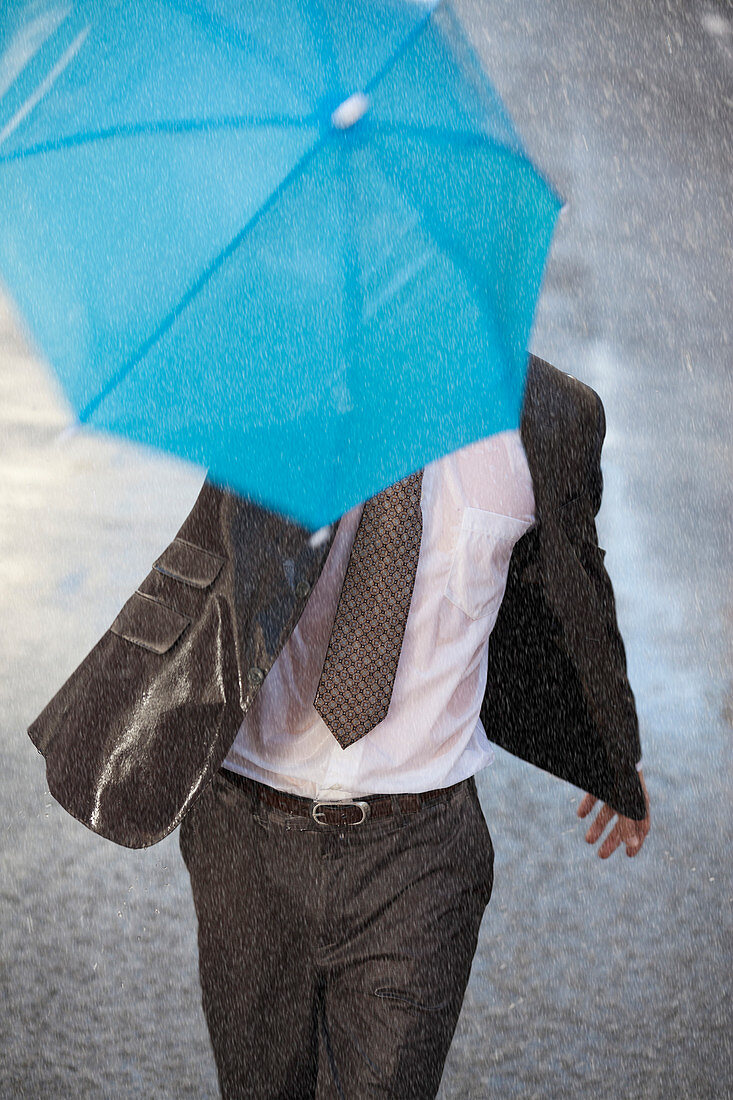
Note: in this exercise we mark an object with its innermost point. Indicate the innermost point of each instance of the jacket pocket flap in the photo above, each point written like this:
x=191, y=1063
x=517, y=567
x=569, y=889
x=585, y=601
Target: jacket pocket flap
x=189, y=563
x=149, y=624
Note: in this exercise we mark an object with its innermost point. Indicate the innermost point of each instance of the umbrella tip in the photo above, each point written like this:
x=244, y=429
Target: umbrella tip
x=350, y=111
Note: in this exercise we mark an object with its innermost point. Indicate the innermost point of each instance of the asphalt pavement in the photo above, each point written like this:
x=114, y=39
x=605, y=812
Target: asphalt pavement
x=605, y=979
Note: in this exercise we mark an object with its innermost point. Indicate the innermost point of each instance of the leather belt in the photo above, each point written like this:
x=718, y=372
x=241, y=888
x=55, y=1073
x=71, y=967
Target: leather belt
x=346, y=811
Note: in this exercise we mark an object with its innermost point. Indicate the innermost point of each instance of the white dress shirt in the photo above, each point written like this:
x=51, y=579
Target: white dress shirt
x=476, y=503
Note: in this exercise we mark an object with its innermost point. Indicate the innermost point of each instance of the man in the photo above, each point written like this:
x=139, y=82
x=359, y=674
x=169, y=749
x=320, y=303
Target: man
x=340, y=862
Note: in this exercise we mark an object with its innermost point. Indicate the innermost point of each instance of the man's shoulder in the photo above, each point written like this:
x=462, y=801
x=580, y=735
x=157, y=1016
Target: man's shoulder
x=562, y=430
x=556, y=396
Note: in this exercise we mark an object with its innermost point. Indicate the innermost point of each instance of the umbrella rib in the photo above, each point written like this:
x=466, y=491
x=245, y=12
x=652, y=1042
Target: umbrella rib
x=403, y=48
x=207, y=274
x=510, y=137
x=466, y=138
x=439, y=133
x=172, y=126
x=471, y=60
x=463, y=262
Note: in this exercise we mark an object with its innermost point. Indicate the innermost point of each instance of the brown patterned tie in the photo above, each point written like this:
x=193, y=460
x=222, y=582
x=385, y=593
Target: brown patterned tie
x=361, y=660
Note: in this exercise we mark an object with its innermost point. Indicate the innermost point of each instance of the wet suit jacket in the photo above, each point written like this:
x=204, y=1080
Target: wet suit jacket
x=140, y=728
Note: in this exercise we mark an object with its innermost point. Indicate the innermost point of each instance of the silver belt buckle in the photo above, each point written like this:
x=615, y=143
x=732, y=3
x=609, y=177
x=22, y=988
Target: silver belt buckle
x=363, y=806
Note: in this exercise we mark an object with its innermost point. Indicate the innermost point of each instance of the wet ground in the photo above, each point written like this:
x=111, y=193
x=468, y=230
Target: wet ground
x=609, y=980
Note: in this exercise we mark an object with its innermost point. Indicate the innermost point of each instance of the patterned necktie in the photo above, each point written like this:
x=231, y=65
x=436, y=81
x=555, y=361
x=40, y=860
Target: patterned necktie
x=361, y=660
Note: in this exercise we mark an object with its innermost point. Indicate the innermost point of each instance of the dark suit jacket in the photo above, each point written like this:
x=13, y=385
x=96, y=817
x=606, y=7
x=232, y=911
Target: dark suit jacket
x=139, y=729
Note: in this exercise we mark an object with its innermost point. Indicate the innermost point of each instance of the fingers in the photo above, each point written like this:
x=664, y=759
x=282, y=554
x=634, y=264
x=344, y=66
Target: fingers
x=602, y=819
x=612, y=841
x=586, y=805
x=637, y=834
x=626, y=831
x=633, y=845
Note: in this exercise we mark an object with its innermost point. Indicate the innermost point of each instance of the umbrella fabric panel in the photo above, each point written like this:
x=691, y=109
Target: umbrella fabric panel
x=104, y=246
x=346, y=294
x=356, y=40
x=255, y=340
x=127, y=67
x=109, y=67
x=491, y=213
x=122, y=67
x=408, y=95
x=214, y=266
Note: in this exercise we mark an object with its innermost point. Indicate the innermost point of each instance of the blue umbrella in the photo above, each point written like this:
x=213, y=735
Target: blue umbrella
x=296, y=241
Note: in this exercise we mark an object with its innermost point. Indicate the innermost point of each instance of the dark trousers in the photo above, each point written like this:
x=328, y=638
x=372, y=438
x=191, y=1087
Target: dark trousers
x=334, y=959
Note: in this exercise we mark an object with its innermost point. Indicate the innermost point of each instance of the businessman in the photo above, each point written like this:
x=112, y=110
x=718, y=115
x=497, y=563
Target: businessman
x=314, y=707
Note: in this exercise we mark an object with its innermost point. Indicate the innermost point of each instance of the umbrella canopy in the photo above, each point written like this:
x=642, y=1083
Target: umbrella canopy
x=296, y=241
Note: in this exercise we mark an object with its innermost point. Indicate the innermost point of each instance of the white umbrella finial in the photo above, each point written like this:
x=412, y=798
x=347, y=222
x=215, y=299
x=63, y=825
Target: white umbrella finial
x=350, y=111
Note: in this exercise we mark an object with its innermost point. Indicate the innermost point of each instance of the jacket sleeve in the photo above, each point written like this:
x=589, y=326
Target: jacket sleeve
x=578, y=521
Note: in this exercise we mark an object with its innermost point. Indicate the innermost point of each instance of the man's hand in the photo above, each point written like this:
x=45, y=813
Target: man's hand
x=625, y=830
